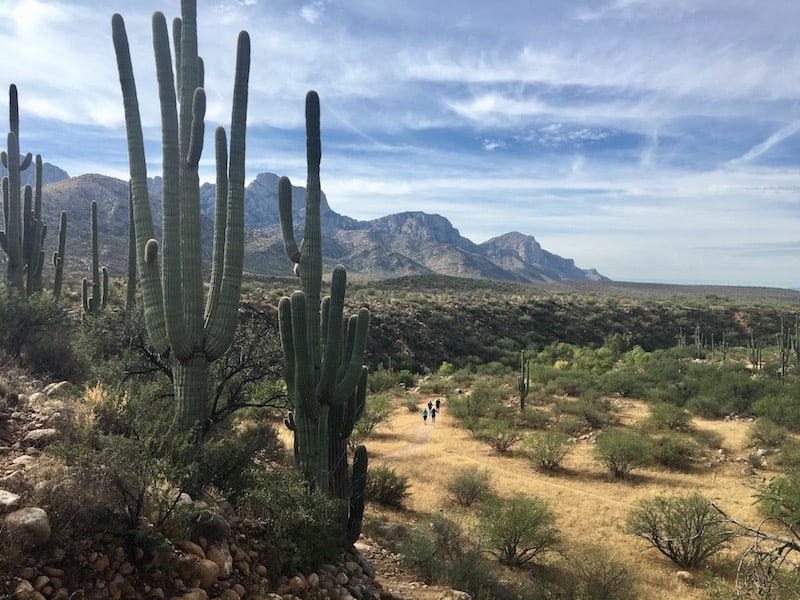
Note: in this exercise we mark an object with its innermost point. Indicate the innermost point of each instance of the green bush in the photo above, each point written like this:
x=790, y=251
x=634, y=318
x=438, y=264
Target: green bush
x=621, y=452
x=685, y=529
x=780, y=498
x=782, y=409
x=675, y=451
x=383, y=380
x=668, y=416
x=386, y=486
x=546, y=449
x=764, y=433
x=378, y=411
x=596, y=574
x=596, y=413
x=301, y=529
x=468, y=485
x=501, y=436
x=518, y=529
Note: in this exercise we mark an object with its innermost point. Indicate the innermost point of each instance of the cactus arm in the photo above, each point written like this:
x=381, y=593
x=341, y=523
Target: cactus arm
x=58, y=256
x=130, y=296
x=14, y=223
x=220, y=328
x=287, y=225
x=357, y=496
x=349, y=381
x=287, y=343
x=152, y=295
x=177, y=335
x=220, y=222
x=304, y=374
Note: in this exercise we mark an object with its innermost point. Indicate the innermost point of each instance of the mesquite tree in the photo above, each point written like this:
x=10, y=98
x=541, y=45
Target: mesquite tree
x=181, y=322
x=323, y=356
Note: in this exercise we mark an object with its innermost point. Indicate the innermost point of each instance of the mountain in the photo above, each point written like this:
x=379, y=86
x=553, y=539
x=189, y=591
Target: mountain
x=406, y=243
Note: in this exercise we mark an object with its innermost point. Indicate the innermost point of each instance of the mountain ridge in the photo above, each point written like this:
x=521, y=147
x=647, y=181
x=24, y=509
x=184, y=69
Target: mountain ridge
x=403, y=243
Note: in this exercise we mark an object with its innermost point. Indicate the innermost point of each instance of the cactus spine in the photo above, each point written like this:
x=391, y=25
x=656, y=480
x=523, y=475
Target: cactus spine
x=58, y=256
x=24, y=233
x=523, y=380
x=97, y=300
x=179, y=319
x=323, y=358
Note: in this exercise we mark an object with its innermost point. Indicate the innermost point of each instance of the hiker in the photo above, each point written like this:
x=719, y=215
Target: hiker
x=433, y=416
x=430, y=405
x=438, y=405
x=425, y=416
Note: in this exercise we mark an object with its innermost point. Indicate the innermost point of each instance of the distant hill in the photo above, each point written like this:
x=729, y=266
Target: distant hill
x=406, y=243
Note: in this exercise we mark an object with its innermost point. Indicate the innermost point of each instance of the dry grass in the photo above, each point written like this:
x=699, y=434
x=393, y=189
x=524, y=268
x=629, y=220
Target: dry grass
x=591, y=505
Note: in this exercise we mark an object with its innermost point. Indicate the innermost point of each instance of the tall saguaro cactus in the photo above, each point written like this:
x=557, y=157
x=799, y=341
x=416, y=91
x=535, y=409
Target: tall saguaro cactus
x=322, y=354
x=58, y=256
x=95, y=301
x=523, y=380
x=180, y=320
x=24, y=233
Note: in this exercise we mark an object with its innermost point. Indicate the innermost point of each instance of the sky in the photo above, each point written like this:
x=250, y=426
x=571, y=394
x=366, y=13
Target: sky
x=654, y=140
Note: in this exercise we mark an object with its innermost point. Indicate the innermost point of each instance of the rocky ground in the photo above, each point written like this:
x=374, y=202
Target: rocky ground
x=38, y=564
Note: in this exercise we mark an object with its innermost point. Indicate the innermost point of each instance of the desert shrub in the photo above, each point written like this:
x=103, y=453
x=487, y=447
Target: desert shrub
x=501, y=436
x=597, y=574
x=411, y=402
x=764, y=433
x=468, y=485
x=621, y=452
x=668, y=416
x=685, y=529
x=781, y=408
x=596, y=413
x=378, y=411
x=546, y=449
x=435, y=384
x=534, y=418
x=622, y=382
x=571, y=425
x=674, y=451
x=228, y=459
x=518, y=529
x=780, y=498
x=470, y=409
x=707, y=438
x=37, y=331
x=300, y=528
x=433, y=544
x=386, y=486
x=383, y=380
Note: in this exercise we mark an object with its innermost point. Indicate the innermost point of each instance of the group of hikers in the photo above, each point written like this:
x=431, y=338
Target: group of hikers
x=432, y=410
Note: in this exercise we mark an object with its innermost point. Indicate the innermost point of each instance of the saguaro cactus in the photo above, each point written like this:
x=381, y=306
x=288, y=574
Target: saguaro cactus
x=24, y=233
x=180, y=320
x=97, y=300
x=322, y=355
x=523, y=380
x=58, y=256
x=130, y=295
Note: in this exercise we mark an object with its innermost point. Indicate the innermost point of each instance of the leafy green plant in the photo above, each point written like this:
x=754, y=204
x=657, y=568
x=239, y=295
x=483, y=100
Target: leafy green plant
x=685, y=529
x=468, y=485
x=378, y=412
x=386, y=486
x=501, y=436
x=674, y=451
x=622, y=451
x=546, y=449
x=765, y=433
x=517, y=530
x=597, y=574
x=668, y=416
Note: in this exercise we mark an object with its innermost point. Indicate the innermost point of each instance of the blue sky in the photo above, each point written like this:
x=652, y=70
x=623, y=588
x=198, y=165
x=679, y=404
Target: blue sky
x=655, y=140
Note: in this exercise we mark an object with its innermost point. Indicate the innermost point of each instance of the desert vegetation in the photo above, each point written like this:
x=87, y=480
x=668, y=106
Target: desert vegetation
x=578, y=430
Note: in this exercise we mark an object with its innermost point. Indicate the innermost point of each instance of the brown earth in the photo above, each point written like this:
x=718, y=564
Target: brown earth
x=591, y=506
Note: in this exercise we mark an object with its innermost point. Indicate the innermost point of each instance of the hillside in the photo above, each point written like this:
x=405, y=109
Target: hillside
x=405, y=243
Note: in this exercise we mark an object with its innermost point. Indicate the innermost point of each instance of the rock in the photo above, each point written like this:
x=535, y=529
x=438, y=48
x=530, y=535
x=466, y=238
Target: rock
x=685, y=577
x=220, y=553
x=24, y=590
x=8, y=501
x=228, y=594
x=38, y=398
x=454, y=595
x=26, y=461
x=298, y=584
x=42, y=437
x=207, y=572
x=195, y=594
x=27, y=527
x=192, y=548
